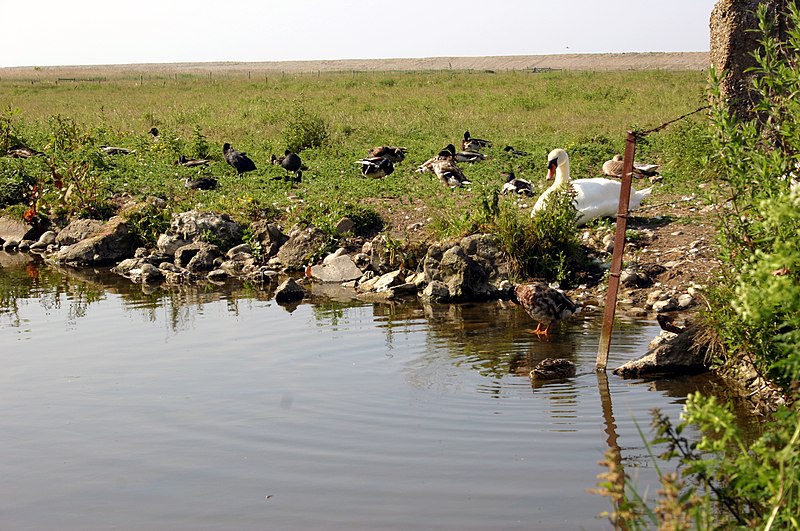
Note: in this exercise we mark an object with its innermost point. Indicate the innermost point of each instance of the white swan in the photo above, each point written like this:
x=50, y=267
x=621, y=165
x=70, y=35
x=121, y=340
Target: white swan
x=593, y=198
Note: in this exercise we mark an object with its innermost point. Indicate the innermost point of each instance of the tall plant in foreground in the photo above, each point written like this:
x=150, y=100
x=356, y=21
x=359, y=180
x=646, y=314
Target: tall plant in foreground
x=722, y=482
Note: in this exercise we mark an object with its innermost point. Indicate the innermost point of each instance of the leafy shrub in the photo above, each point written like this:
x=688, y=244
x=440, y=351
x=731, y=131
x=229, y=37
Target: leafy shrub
x=304, y=130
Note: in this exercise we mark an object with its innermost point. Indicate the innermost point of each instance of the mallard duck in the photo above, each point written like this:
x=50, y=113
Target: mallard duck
x=376, y=167
x=613, y=168
x=517, y=153
x=201, y=183
x=593, y=198
x=113, y=150
x=290, y=162
x=515, y=185
x=469, y=143
x=19, y=151
x=553, y=369
x=190, y=163
x=544, y=304
x=394, y=154
x=238, y=159
x=154, y=131
x=469, y=156
x=446, y=169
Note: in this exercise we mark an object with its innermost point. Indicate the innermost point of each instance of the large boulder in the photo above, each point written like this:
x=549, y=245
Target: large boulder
x=464, y=277
x=12, y=229
x=195, y=226
x=269, y=236
x=198, y=256
x=684, y=353
x=336, y=269
x=301, y=246
x=487, y=251
x=78, y=230
x=112, y=243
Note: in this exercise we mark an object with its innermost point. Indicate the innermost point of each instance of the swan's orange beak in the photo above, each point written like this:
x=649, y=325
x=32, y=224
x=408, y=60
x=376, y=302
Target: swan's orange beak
x=551, y=168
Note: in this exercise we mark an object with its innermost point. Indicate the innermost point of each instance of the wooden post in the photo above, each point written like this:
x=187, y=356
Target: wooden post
x=616, y=259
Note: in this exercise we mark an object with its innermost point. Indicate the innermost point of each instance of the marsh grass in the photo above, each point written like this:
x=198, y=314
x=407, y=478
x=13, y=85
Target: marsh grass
x=332, y=120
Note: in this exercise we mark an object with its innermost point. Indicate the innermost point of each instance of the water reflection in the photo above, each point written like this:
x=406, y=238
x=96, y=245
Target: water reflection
x=344, y=410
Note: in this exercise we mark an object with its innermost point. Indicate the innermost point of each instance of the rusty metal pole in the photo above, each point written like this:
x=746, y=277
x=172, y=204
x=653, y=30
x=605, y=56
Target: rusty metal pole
x=616, y=258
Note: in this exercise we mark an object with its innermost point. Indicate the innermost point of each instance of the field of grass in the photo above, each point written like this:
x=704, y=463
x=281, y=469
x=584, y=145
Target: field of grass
x=343, y=115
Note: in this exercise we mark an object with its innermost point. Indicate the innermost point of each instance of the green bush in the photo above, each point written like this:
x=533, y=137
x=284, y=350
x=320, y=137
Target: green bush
x=304, y=130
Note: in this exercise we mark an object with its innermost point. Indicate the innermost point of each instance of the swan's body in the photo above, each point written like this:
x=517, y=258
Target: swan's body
x=593, y=198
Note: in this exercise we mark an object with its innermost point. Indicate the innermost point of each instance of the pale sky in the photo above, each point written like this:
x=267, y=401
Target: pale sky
x=78, y=32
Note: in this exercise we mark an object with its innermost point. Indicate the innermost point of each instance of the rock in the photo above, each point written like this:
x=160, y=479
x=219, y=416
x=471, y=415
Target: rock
x=436, y=291
x=362, y=261
x=47, y=238
x=345, y=225
x=301, y=246
x=465, y=279
x=487, y=251
x=197, y=256
x=12, y=229
x=217, y=275
x=195, y=226
x=78, y=230
x=242, y=248
x=289, y=291
x=683, y=354
x=146, y=274
x=112, y=243
x=338, y=269
x=665, y=306
x=685, y=301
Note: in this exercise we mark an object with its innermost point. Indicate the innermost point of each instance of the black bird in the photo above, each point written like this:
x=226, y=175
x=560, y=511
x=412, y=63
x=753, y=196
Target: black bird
x=516, y=185
x=376, y=167
x=238, y=159
x=473, y=144
x=290, y=162
x=190, y=163
x=153, y=131
x=517, y=153
x=201, y=183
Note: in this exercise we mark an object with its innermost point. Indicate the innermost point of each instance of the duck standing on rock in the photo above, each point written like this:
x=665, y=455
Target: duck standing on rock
x=544, y=304
x=593, y=198
x=237, y=159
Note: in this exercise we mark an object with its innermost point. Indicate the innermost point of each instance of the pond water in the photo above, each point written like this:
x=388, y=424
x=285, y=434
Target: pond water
x=213, y=407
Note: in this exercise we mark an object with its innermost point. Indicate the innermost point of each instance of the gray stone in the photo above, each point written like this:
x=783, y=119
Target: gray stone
x=338, y=269
x=436, y=291
x=345, y=225
x=683, y=354
x=78, y=230
x=217, y=274
x=14, y=229
x=665, y=306
x=289, y=291
x=197, y=256
x=112, y=243
x=268, y=236
x=465, y=279
x=47, y=238
x=195, y=226
x=146, y=274
x=685, y=301
x=301, y=246
x=242, y=248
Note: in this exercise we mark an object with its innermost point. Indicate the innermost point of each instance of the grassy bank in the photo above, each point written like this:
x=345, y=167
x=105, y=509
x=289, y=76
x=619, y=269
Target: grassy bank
x=335, y=118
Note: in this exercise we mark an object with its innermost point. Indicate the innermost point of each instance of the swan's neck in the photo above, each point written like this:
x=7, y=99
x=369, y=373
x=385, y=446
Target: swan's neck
x=562, y=176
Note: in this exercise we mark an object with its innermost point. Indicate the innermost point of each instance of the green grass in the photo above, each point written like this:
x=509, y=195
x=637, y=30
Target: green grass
x=586, y=113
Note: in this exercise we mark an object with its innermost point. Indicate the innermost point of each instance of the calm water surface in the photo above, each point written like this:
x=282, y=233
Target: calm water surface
x=216, y=408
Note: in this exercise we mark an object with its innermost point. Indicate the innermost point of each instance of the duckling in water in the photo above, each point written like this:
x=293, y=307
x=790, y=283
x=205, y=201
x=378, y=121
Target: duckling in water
x=553, y=369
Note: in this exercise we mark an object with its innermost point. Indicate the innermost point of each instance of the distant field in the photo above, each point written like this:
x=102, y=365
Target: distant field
x=591, y=62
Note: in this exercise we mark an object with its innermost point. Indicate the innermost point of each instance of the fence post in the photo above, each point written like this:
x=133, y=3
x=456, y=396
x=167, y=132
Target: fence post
x=619, y=248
